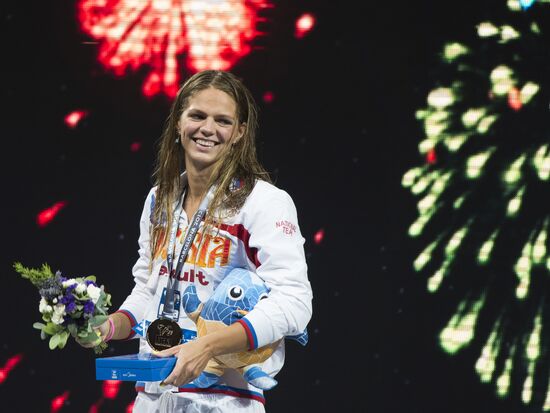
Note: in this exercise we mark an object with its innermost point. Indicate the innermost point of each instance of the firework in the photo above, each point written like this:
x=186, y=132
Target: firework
x=483, y=194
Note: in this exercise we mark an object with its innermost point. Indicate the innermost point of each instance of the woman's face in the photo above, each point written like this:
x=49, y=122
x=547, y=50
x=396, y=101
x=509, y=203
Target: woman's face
x=207, y=126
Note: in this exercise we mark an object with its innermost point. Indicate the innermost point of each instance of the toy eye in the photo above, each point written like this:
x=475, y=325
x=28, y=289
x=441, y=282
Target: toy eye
x=262, y=296
x=235, y=293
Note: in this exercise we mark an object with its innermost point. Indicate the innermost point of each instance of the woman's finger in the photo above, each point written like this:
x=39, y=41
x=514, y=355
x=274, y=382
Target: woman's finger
x=168, y=352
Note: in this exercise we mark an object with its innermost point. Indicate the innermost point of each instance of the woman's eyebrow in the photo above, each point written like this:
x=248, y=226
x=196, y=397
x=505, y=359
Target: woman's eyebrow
x=201, y=112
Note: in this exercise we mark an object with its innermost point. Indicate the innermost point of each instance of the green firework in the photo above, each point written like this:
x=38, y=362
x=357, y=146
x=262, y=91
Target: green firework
x=484, y=200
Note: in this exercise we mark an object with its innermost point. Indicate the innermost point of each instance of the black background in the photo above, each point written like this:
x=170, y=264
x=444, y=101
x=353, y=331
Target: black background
x=338, y=137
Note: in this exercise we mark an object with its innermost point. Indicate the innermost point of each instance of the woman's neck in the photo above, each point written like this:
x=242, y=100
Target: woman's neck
x=197, y=182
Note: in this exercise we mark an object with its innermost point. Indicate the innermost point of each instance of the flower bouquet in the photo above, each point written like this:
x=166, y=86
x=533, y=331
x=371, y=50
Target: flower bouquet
x=69, y=306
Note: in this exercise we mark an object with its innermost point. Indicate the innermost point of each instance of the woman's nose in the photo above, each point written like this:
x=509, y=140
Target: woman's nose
x=208, y=126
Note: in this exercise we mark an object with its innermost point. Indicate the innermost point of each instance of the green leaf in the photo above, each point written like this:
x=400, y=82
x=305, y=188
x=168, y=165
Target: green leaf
x=100, y=348
x=83, y=333
x=39, y=326
x=108, y=300
x=73, y=329
x=100, y=300
x=98, y=320
x=35, y=276
x=51, y=329
x=90, y=278
x=89, y=337
x=63, y=336
x=54, y=341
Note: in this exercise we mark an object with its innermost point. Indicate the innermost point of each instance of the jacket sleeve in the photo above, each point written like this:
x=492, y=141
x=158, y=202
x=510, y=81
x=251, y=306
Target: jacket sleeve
x=135, y=305
x=281, y=264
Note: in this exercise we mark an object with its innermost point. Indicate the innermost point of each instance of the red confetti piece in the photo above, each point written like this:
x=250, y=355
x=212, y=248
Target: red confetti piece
x=304, y=24
x=130, y=408
x=431, y=156
x=111, y=388
x=514, y=99
x=47, y=215
x=9, y=366
x=268, y=97
x=319, y=236
x=94, y=408
x=135, y=146
x=156, y=33
x=58, y=402
x=73, y=119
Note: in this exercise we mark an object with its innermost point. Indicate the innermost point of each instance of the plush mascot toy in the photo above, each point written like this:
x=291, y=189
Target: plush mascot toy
x=233, y=298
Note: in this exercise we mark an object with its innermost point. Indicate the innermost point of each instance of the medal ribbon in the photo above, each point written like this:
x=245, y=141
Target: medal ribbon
x=168, y=310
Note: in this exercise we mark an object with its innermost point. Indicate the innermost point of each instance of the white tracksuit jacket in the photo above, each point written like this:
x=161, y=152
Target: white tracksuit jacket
x=263, y=237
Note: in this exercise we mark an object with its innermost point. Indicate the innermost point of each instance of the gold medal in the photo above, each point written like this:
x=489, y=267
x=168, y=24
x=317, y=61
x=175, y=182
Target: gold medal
x=163, y=333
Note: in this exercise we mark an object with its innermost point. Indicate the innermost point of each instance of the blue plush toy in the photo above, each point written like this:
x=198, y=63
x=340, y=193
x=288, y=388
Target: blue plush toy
x=233, y=298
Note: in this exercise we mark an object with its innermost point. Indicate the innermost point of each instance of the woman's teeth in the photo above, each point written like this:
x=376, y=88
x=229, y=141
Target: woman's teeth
x=203, y=142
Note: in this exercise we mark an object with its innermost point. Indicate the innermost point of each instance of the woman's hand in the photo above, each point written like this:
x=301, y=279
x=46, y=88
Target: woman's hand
x=193, y=357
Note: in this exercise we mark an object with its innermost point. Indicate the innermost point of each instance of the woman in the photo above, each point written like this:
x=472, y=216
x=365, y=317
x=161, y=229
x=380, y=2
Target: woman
x=208, y=151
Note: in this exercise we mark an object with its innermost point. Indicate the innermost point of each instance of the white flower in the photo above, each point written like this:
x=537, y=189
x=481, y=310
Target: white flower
x=94, y=293
x=57, y=318
x=54, y=300
x=58, y=313
x=80, y=288
x=43, y=305
x=68, y=282
x=49, y=309
x=59, y=309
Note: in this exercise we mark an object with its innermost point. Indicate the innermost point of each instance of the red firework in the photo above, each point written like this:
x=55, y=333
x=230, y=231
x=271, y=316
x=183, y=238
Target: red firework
x=319, y=236
x=58, y=402
x=9, y=366
x=45, y=216
x=304, y=24
x=158, y=33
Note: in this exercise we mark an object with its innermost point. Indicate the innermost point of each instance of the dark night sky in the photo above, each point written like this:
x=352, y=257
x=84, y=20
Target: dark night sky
x=338, y=137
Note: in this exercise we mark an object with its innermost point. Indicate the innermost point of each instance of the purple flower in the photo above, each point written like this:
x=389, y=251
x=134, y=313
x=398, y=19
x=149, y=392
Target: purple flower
x=70, y=288
x=89, y=307
x=88, y=282
x=69, y=308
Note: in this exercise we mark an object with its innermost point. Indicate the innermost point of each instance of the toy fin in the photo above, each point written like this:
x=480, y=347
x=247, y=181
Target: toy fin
x=257, y=377
x=300, y=338
x=190, y=299
x=206, y=380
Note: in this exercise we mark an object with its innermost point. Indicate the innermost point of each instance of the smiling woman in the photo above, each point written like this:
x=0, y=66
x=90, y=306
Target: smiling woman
x=207, y=127
x=214, y=210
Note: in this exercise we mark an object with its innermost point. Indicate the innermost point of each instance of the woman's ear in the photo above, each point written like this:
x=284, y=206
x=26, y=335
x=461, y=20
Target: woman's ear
x=240, y=133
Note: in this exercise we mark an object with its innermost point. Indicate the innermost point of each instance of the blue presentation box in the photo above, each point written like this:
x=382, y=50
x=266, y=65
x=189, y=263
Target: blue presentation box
x=134, y=367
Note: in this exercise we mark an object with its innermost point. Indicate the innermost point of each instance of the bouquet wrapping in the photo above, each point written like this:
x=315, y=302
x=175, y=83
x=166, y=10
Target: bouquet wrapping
x=69, y=307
